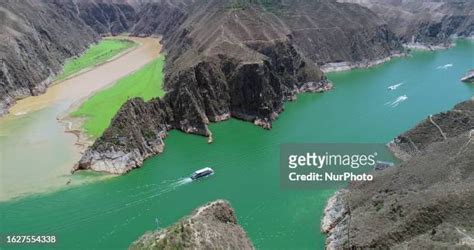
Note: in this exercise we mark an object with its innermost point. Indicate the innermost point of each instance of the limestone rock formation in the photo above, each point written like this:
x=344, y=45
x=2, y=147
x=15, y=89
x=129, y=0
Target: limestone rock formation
x=212, y=226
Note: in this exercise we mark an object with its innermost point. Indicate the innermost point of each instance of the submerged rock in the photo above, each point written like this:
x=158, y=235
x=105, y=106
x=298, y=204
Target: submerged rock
x=424, y=203
x=212, y=226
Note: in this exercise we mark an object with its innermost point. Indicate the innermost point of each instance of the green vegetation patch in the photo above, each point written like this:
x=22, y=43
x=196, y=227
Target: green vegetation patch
x=96, y=54
x=100, y=108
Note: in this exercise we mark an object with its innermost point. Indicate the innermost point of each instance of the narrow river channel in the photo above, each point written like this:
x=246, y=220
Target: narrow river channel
x=37, y=155
x=114, y=212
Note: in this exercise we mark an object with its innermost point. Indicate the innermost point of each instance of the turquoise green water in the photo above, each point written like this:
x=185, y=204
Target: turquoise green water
x=114, y=212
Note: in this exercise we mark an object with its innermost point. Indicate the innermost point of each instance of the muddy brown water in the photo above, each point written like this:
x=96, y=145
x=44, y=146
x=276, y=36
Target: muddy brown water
x=36, y=153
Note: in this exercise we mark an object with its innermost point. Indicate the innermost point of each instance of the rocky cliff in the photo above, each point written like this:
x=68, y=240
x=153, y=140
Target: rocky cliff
x=106, y=17
x=35, y=39
x=38, y=36
x=212, y=226
x=210, y=91
x=240, y=59
x=160, y=17
x=425, y=23
x=427, y=202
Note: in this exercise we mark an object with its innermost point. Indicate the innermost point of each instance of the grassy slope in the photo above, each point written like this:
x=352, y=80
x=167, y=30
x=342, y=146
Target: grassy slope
x=96, y=54
x=102, y=106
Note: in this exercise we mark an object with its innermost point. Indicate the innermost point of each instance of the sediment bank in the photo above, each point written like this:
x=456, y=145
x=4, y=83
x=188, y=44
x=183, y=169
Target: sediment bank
x=343, y=66
x=37, y=125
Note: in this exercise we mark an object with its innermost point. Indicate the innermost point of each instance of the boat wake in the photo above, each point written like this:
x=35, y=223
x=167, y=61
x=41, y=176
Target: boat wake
x=397, y=101
x=446, y=66
x=394, y=87
x=163, y=187
x=181, y=182
x=143, y=194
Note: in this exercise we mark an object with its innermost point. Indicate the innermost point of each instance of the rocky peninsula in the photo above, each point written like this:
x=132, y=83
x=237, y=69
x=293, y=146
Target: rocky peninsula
x=469, y=77
x=425, y=202
x=246, y=71
x=221, y=65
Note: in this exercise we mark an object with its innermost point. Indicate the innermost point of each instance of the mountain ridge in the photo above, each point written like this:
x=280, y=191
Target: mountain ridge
x=425, y=23
x=242, y=62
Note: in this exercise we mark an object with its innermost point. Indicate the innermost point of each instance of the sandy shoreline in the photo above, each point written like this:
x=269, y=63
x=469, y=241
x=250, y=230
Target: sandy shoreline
x=123, y=53
x=92, y=79
x=40, y=125
x=43, y=87
x=427, y=47
x=344, y=66
x=74, y=125
x=433, y=47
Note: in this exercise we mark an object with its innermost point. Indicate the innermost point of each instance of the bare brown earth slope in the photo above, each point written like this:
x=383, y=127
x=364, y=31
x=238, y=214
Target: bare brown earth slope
x=212, y=226
x=425, y=22
x=427, y=202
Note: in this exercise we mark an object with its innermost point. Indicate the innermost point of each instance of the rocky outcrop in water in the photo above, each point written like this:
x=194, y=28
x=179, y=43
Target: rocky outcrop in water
x=427, y=202
x=212, y=226
x=469, y=77
x=427, y=24
x=238, y=60
x=211, y=91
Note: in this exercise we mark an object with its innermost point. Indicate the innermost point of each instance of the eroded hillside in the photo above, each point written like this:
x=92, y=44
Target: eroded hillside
x=242, y=61
x=424, y=203
x=425, y=22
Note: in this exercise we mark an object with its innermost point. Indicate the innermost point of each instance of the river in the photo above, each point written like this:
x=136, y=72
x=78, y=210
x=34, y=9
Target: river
x=37, y=155
x=114, y=212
